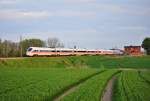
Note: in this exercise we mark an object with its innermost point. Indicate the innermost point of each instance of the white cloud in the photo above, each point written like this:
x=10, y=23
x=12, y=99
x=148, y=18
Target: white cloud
x=110, y=7
x=65, y=1
x=8, y=1
x=124, y=9
x=16, y=14
x=79, y=1
x=69, y=13
x=136, y=28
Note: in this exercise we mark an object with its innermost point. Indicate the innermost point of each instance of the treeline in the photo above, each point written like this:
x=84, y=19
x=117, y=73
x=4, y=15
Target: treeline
x=146, y=45
x=17, y=49
x=9, y=48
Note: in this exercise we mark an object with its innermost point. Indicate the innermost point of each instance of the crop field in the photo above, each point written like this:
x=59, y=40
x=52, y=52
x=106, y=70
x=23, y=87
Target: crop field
x=132, y=87
x=107, y=62
x=74, y=78
x=95, y=89
x=24, y=84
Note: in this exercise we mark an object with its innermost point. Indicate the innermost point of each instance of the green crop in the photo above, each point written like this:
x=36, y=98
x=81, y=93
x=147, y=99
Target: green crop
x=78, y=62
x=36, y=84
x=45, y=78
x=92, y=89
x=145, y=75
x=132, y=87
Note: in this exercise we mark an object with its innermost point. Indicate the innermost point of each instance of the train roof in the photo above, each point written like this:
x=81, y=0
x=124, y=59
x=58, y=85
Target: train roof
x=68, y=49
x=45, y=48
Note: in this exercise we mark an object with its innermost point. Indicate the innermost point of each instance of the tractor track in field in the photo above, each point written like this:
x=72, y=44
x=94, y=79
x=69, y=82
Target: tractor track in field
x=147, y=81
x=132, y=69
x=108, y=91
x=72, y=88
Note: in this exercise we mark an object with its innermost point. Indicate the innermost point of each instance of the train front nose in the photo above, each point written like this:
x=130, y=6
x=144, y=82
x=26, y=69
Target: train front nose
x=28, y=53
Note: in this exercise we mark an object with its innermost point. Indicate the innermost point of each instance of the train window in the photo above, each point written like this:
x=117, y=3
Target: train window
x=29, y=49
x=53, y=51
x=44, y=50
x=81, y=51
x=35, y=50
x=66, y=51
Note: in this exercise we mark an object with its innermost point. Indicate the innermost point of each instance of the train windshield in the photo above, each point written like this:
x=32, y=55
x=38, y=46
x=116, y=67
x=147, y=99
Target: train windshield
x=29, y=49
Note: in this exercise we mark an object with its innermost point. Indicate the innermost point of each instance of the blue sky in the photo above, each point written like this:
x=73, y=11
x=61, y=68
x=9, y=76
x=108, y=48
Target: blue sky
x=93, y=24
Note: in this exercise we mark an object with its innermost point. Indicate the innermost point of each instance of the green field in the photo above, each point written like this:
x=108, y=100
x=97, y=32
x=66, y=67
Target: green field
x=79, y=61
x=132, y=87
x=95, y=87
x=46, y=78
x=38, y=84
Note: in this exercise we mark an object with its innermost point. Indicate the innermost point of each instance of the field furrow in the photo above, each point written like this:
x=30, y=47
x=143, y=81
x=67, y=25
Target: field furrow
x=35, y=85
x=134, y=87
x=92, y=89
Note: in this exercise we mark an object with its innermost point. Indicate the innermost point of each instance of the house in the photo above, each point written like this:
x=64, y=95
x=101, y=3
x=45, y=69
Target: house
x=133, y=50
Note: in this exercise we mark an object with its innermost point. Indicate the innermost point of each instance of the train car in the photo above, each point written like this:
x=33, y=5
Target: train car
x=41, y=51
x=118, y=52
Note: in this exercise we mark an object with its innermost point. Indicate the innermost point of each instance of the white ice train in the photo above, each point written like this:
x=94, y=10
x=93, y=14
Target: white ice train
x=41, y=51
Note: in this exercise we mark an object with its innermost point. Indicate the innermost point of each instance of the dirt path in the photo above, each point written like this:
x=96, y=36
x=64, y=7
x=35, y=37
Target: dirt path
x=66, y=93
x=74, y=87
x=107, y=96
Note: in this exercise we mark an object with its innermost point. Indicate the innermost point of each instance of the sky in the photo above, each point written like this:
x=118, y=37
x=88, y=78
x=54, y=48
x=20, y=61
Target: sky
x=91, y=24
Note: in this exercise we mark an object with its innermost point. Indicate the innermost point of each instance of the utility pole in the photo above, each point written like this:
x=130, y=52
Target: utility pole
x=6, y=54
x=20, y=46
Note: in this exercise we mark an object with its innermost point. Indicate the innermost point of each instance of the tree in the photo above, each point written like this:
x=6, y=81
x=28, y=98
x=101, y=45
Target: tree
x=146, y=45
x=54, y=43
x=25, y=44
x=5, y=48
x=14, y=49
x=9, y=49
x=1, y=48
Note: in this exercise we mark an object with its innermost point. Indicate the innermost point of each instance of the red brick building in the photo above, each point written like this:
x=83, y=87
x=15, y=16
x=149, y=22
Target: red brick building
x=133, y=50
